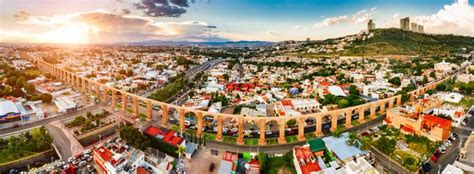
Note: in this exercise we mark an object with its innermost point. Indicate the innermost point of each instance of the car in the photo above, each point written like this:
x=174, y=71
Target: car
x=15, y=125
x=211, y=167
x=426, y=167
x=442, y=151
x=87, y=151
x=70, y=159
x=49, y=169
x=89, y=159
x=65, y=167
x=61, y=163
x=82, y=163
x=433, y=158
x=75, y=162
x=90, y=168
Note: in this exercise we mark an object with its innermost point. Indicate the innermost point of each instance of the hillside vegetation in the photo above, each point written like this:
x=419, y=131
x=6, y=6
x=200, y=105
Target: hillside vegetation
x=396, y=41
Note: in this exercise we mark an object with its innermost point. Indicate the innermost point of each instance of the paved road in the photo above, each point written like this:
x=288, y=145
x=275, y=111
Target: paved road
x=47, y=120
x=61, y=142
x=448, y=157
x=284, y=148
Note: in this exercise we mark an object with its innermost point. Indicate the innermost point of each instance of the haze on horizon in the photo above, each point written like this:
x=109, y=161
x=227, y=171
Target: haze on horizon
x=107, y=21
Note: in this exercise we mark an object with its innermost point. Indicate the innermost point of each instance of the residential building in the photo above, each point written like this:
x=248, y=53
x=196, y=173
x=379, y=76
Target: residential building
x=116, y=158
x=360, y=166
x=370, y=25
x=466, y=155
x=405, y=23
x=414, y=27
x=304, y=160
x=413, y=121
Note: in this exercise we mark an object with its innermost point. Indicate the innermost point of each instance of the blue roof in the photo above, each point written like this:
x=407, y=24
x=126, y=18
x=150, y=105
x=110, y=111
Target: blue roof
x=340, y=147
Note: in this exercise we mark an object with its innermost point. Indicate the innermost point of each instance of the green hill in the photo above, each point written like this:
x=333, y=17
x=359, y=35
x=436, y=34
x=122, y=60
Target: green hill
x=396, y=41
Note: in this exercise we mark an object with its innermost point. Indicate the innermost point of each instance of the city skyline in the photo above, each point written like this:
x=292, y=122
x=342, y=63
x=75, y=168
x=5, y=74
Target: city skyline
x=109, y=21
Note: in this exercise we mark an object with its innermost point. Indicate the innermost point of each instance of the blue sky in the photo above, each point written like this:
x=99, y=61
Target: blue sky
x=270, y=20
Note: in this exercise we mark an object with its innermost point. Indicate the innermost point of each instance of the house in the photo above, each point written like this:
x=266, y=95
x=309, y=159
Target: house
x=117, y=159
x=416, y=123
x=360, y=166
x=304, y=160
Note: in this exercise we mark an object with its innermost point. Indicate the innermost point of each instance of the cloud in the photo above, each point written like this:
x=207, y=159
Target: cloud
x=395, y=16
x=21, y=16
x=456, y=18
x=297, y=27
x=162, y=8
x=273, y=33
x=357, y=18
x=102, y=26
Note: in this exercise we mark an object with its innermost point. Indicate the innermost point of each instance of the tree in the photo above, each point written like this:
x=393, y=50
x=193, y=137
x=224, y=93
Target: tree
x=441, y=87
x=17, y=92
x=366, y=142
x=353, y=90
x=20, y=82
x=352, y=138
x=134, y=137
x=337, y=132
x=262, y=158
x=386, y=145
x=343, y=103
x=181, y=150
x=46, y=98
x=30, y=88
x=433, y=74
x=395, y=81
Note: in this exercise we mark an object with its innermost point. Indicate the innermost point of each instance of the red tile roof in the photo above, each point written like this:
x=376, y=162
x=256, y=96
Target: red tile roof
x=310, y=162
x=437, y=121
x=408, y=129
x=168, y=135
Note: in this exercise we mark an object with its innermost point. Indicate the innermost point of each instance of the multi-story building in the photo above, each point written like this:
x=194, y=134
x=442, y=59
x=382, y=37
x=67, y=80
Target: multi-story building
x=413, y=121
x=370, y=25
x=414, y=27
x=116, y=158
x=421, y=29
x=405, y=23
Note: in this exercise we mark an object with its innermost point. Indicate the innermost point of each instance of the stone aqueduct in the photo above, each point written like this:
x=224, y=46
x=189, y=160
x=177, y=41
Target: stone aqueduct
x=103, y=93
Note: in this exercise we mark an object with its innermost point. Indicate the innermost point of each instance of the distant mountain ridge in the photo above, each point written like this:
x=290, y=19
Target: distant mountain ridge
x=242, y=43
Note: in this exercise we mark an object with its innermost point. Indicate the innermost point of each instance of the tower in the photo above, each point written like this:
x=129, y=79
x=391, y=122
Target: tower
x=370, y=25
x=405, y=23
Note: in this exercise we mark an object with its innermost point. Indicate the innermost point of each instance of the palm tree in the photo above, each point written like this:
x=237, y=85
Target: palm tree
x=181, y=150
x=352, y=138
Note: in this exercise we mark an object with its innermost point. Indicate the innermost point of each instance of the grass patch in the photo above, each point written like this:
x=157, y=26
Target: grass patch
x=230, y=139
x=292, y=138
x=355, y=123
x=174, y=128
x=272, y=141
x=251, y=141
x=209, y=136
x=277, y=164
x=310, y=135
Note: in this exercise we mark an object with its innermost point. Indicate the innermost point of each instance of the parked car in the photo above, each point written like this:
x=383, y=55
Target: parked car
x=426, y=167
x=90, y=168
x=211, y=167
x=433, y=158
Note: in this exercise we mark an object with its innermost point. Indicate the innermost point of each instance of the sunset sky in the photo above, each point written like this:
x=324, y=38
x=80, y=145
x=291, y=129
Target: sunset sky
x=106, y=21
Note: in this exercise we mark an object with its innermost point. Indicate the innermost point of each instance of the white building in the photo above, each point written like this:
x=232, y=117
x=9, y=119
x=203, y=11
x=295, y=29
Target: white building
x=451, y=169
x=65, y=104
x=444, y=67
x=360, y=166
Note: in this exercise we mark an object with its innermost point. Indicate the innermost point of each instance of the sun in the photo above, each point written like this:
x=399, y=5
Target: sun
x=73, y=33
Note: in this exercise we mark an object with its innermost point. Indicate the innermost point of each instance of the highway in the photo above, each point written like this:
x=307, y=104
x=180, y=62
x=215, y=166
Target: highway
x=45, y=121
